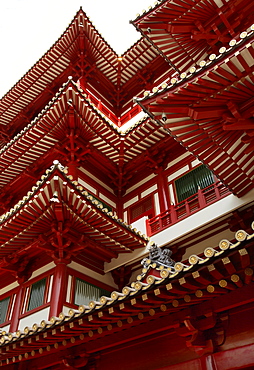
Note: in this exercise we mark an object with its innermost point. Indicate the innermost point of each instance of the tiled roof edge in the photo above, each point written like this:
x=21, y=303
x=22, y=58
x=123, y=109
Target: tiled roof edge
x=93, y=201
x=203, y=64
x=136, y=288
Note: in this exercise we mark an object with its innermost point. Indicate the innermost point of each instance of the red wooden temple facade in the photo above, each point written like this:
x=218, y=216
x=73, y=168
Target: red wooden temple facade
x=108, y=161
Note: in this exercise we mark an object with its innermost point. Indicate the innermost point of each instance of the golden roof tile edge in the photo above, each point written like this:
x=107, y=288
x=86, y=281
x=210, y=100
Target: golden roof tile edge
x=136, y=288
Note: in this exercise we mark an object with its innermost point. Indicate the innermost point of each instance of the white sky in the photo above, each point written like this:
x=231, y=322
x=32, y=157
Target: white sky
x=28, y=28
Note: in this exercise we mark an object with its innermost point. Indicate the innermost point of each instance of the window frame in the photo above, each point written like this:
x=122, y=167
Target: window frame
x=12, y=294
x=28, y=303
x=150, y=213
x=89, y=284
x=78, y=275
x=27, y=292
x=185, y=174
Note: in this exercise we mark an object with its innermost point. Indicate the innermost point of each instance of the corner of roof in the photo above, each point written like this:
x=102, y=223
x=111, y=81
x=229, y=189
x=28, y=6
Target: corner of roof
x=57, y=167
x=79, y=13
x=192, y=72
x=145, y=12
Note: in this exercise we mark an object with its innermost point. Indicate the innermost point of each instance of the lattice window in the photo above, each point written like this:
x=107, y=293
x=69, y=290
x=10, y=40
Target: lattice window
x=86, y=292
x=187, y=185
x=37, y=292
x=4, y=304
x=143, y=208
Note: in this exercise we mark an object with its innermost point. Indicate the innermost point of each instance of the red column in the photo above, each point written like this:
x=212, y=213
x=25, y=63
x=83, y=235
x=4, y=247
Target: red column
x=73, y=170
x=59, y=289
x=163, y=191
x=16, y=310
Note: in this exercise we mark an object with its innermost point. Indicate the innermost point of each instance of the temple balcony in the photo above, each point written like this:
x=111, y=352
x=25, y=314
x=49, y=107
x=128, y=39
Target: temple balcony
x=201, y=220
x=194, y=203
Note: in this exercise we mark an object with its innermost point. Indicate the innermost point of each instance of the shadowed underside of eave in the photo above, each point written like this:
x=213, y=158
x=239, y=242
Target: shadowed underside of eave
x=209, y=110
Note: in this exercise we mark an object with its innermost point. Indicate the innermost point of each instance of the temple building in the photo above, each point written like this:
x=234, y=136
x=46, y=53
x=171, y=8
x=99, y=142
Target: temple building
x=126, y=197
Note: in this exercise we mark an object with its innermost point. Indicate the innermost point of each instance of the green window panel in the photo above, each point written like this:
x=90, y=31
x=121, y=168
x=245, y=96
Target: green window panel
x=4, y=303
x=85, y=292
x=36, y=298
x=187, y=185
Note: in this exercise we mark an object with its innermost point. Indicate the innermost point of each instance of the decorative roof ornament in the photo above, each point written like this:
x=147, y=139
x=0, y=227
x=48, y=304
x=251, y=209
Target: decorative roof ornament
x=161, y=257
x=55, y=198
x=57, y=164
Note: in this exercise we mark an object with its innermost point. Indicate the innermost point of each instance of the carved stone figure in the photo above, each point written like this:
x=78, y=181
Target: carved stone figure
x=159, y=256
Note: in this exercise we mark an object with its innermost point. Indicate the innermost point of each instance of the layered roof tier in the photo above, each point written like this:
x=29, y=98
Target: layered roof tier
x=58, y=219
x=186, y=31
x=82, y=53
x=72, y=129
x=209, y=110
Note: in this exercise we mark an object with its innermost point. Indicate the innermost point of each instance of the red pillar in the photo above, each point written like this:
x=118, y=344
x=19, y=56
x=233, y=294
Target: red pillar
x=163, y=191
x=59, y=289
x=73, y=170
x=16, y=310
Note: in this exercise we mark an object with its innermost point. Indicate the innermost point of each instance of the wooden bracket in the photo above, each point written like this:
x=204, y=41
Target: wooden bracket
x=20, y=267
x=73, y=363
x=203, y=334
x=196, y=338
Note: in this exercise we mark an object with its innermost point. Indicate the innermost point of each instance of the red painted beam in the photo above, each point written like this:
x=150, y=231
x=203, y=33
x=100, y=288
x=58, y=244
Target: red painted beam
x=180, y=28
x=234, y=359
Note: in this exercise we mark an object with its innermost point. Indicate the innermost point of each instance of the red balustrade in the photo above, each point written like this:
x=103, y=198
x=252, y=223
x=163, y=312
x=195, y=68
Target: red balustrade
x=189, y=206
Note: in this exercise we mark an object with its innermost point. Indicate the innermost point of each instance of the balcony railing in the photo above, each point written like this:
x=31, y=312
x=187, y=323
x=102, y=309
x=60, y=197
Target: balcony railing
x=189, y=206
